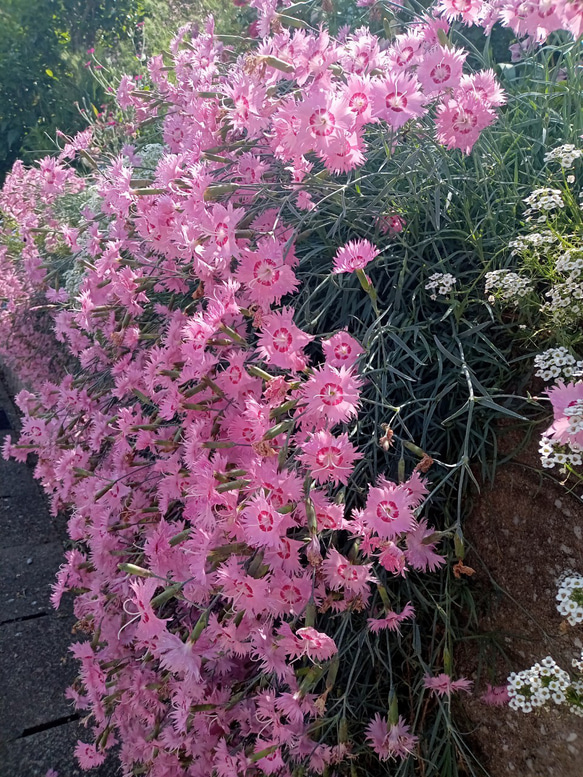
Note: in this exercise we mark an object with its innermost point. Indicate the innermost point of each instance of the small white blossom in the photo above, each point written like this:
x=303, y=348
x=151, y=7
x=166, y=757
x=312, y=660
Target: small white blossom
x=440, y=283
x=507, y=286
x=565, y=155
x=544, y=200
x=557, y=363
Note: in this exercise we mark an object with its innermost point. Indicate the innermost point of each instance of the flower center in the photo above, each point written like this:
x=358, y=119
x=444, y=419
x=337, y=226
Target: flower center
x=282, y=340
x=221, y=234
x=265, y=521
x=332, y=394
x=322, y=122
x=396, y=102
x=440, y=73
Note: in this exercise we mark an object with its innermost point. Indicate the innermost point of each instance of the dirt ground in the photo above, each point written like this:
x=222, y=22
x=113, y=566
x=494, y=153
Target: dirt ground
x=524, y=531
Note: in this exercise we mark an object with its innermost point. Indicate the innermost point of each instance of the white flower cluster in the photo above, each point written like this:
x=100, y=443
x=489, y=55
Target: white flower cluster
x=570, y=597
x=565, y=303
x=440, y=283
x=535, y=687
x=578, y=663
x=506, y=286
x=544, y=200
x=575, y=415
x=552, y=453
x=565, y=155
x=533, y=240
x=557, y=363
x=570, y=262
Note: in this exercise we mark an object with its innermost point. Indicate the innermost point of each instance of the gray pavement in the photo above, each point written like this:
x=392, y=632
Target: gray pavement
x=38, y=726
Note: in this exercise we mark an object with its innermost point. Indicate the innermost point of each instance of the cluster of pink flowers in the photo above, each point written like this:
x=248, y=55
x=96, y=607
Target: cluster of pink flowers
x=533, y=20
x=201, y=445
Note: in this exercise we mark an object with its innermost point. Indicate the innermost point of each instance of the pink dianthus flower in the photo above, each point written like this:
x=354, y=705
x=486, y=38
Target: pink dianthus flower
x=355, y=255
x=329, y=458
x=390, y=741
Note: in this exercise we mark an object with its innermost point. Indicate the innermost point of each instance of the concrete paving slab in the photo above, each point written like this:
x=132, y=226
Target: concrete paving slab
x=25, y=518
x=35, y=669
x=34, y=755
x=26, y=574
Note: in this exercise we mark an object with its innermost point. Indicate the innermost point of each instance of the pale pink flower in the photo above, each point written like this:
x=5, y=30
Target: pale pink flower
x=264, y=272
x=461, y=119
x=340, y=573
x=485, y=85
x=440, y=69
x=331, y=394
x=387, y=511
x=88, y=755
x=396, y=99
x=391, y=620
x=420, y=551
x=281, y=342
x=329, y=458
x=390, y=741
x=443, y=685
x=355, y=255
x=341, y=350
x=467, y=10
x=261, y=523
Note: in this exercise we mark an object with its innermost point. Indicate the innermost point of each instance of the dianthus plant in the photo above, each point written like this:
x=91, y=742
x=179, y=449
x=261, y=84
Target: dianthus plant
x=205, y=443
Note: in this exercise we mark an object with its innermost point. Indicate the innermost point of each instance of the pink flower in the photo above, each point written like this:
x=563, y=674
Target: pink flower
x=392, y=620
x=496, y=695
x=329, y=458
x=440, y=69
x=265, y=274
x=281, y=342
x=467, y=10
x=332, y=394
x=567, y=400
x=396, y=99
x=390, y=741
x=341, y=350
x=460, y=120
x=315, y=644
x=261, y=523
x=340, y=573
x=420, y=551
x=484, y=85
x=357, y=95
x=88, y=755
x=355, y=255
x=443, y=685
x=387, y=511
x=220, y=224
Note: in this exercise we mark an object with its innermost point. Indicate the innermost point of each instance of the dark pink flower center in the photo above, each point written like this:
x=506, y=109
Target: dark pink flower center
x=329, y=456
x=322, y=122
x=265, y=272
x=440, y=73
x=221, y=234
x=282, y=340
x=396, y=102
x=332, y=394
x=358, y=102
x=265, y=520
x=464, y=121
x=387, y=511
